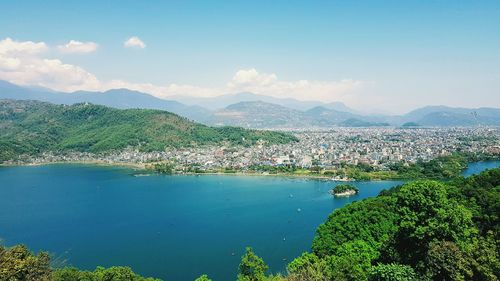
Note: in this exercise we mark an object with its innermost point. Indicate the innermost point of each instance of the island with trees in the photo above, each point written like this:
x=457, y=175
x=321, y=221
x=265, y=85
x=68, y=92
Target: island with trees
x=344, y=190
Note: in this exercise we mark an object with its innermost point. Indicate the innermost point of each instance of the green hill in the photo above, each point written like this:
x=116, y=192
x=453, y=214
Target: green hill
x=33, y=127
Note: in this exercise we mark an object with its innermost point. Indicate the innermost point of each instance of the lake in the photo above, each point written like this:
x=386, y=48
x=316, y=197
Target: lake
x=170, y=227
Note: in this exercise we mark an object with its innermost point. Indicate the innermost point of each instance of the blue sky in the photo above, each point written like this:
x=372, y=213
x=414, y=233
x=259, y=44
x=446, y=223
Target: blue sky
x=380, y=55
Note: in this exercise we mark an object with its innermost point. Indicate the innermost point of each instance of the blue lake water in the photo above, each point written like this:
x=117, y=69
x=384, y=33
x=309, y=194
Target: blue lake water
x=170, y=227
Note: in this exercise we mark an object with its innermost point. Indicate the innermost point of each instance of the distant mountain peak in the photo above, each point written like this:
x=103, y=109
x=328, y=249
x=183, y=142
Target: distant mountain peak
x=258, y=111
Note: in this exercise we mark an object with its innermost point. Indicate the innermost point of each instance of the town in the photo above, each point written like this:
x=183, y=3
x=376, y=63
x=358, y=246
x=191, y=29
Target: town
x=377, y=147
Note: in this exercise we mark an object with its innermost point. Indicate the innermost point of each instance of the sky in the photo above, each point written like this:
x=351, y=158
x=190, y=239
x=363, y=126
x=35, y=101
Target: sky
x=376, y=56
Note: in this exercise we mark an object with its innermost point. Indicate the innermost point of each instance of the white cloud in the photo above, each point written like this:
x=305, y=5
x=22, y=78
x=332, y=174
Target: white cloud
x=77, y=47
x=9, y=47
x=23, y=63
x=249, y=77
x=251, y=80
x=134, y=42
x=26, y=63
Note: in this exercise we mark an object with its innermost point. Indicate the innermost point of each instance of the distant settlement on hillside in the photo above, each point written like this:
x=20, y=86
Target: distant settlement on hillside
x=376, y=147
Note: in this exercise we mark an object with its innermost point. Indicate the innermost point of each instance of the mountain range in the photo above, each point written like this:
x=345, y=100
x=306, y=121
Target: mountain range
x=117, y=98
x=220, y=102
x=250, y=110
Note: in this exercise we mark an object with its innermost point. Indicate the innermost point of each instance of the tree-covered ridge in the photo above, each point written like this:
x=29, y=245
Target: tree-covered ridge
x=31, y=127
x=423, y=230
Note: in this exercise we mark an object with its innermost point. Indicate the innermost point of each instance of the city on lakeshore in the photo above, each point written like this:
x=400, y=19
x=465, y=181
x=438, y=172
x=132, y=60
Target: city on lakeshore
x=263, y=140
x=328, y=149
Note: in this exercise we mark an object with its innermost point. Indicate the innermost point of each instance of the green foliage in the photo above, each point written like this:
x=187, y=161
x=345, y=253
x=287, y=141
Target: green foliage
x=284, y=169
x=422, y=229
x=309, y=267
x=372, y=220
x=364, y=167
x=443, y=167
x=341, y=188
x=352, y=261
x=445, y=261
x=427, y=215
x=392, y=272
x=480, y=193
x=252, y=267
x=163, y=167
x=204, y=277
x=30, y=127
x=484, y=258
x=19, y=264
x=115, y=273
x=71, y=274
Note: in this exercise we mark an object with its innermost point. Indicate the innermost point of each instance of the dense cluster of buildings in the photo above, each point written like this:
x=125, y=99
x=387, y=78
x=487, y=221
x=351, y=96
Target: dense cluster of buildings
x=374, y=146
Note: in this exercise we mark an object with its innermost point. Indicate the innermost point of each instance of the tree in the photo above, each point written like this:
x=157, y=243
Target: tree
x=204, y=277
x=18, y=263
x=485, y=260
x=481, y=195
x=252, y=267
x=71, y=274
x=115, y=273
x=309, y=267
x=445, y=261
x=392, y=272
x=352, y=261
x=427, y=215
x=341, y=188
x=372, y=220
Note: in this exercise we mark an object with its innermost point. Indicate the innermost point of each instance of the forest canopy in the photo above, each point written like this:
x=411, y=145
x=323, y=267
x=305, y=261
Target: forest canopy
x=32, y=127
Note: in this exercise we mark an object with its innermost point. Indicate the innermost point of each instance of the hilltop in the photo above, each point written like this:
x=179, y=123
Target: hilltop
x=31, y=127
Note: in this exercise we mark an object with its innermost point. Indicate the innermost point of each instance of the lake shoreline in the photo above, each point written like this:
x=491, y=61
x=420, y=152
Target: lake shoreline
x=143, y=167
x=137, y=166
x=167, y=212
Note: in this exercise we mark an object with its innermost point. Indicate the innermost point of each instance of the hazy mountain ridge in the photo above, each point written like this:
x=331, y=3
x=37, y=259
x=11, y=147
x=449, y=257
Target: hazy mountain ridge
x=223, y=101
x=443, y=116
x=258, y=111
x=117, y=98
x=258, y=114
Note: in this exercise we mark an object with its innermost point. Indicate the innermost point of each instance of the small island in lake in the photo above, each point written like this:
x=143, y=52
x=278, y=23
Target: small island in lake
x=342, y=190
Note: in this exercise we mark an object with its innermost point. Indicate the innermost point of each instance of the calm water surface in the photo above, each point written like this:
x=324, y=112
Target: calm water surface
x=171, y=227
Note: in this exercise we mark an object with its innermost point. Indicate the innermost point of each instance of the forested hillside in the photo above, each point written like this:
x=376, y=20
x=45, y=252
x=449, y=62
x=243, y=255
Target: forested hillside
x=31, y=127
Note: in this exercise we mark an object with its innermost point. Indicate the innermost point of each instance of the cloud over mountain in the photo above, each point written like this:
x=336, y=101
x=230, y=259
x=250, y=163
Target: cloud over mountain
x=31, y=64
x=26, y=63
x=250, y=80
